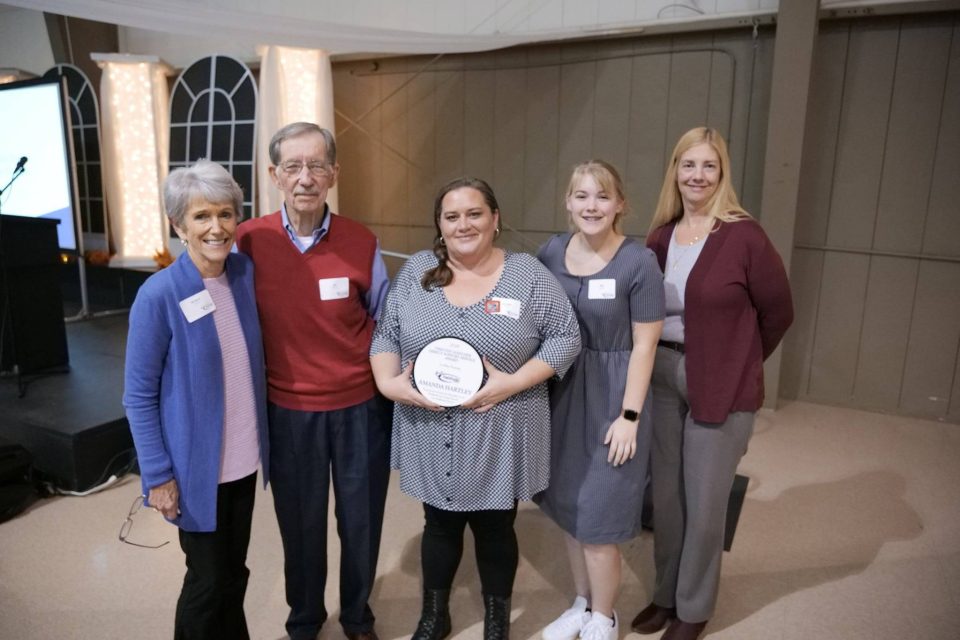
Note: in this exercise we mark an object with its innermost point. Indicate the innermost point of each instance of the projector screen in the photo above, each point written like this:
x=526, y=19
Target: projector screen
x=35, y=126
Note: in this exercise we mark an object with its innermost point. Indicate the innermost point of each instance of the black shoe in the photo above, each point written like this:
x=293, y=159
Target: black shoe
x=496, y=618
x=652, y=619
x=680, y=630
x=435, y=616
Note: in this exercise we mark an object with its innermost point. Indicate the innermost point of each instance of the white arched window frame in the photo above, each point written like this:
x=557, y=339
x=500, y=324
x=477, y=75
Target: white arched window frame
x=213, y=107
x=85, y=125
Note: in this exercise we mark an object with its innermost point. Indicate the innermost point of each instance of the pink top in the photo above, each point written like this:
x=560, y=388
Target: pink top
x=240, y=453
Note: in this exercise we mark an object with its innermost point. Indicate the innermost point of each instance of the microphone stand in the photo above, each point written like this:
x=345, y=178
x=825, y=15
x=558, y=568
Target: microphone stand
x=5, y=316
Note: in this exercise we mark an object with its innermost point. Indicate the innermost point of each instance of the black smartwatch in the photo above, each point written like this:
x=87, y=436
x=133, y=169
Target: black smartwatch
x=631, y=415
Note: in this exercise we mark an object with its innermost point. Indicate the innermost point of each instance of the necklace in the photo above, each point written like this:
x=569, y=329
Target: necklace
x=679, y=252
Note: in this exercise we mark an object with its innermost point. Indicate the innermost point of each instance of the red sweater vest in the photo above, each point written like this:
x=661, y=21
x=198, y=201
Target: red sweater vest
x=317, y=351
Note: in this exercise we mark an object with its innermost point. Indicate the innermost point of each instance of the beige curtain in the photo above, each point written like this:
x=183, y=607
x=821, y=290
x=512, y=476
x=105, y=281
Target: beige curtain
x=295, y=85
x=135, y=125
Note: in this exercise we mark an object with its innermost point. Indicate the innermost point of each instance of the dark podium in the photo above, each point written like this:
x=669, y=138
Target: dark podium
x=34, y=337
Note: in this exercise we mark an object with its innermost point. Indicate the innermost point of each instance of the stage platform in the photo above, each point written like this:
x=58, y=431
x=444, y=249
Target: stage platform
x=73, y=423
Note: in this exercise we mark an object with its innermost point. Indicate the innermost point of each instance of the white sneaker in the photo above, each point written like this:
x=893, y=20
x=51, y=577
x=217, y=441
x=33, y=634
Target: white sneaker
x=600, y=627
x=570, y=622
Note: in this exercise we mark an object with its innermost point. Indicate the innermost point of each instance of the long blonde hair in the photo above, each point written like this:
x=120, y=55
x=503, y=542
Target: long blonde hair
x=723, y=204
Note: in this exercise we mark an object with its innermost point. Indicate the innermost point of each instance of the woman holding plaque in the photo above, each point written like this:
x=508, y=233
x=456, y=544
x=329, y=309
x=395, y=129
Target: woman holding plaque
x=471, y=463
x=728, y=306
x=601, y=417
x=195, y=395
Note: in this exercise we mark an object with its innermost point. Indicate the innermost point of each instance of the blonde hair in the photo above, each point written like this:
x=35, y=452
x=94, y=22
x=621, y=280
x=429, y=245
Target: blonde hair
x=607, y=178
x=723, y=205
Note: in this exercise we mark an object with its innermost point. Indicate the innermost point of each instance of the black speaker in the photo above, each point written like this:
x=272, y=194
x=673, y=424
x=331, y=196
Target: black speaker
x=34, y=337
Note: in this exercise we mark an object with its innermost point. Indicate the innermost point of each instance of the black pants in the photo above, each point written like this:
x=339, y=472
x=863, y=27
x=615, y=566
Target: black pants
x=352, y=444
x=496, y=547
x=211, y=601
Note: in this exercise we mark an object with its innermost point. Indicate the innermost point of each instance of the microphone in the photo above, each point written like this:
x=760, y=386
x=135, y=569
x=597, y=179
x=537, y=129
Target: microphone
x=23, y=161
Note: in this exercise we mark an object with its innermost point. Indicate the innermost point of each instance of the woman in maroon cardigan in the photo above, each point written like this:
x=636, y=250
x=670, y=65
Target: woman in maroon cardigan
x=728, y=306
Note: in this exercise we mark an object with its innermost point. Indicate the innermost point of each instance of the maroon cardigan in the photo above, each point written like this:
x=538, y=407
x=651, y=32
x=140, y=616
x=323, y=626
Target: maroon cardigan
x=736, y=309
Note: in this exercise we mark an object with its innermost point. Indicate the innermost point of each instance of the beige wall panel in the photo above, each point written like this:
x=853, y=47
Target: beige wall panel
x=912, y=135
x=934, y=337
x=805, y=277
x=942, y=230
x=509, y=132
x=545, y=55
x=421, y=141
x=449, y=137
x=478, y=123
x=720, y=101
x=540, y=149
x=820, y=142
x=358, y=149
x=420, y=238
x=576, y=121
x=886, y=327
x=748, y=175
x=864, y=116
x=611, y=115
x=395, y=166
x=837, y=336
x=688, y=93
x=953, y=412
x=647, y=143
x=580, y=51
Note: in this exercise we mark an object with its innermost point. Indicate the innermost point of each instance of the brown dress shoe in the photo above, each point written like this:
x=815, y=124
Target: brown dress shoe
x=680, y=630
x=652, y=619
x=362, y=635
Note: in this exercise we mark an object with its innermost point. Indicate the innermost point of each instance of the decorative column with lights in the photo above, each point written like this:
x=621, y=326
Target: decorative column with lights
x=295, y=85
x=136, y=128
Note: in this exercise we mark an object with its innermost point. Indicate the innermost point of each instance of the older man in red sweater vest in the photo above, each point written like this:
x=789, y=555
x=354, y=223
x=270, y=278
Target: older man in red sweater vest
x=320, y=281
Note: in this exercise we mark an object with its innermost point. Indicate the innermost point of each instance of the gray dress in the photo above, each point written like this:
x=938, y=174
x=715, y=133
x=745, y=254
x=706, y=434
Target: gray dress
x=589, y=498
x=458, y=459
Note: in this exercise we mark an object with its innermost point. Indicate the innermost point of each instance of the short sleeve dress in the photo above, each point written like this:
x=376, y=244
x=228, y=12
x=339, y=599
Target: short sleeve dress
x=458, y=459
x=593, y=501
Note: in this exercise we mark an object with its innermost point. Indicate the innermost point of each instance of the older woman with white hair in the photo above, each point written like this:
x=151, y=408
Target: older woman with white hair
x=195, y=396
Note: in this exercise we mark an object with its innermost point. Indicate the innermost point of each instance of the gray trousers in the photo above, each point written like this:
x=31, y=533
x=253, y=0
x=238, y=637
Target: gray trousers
x=692, y=469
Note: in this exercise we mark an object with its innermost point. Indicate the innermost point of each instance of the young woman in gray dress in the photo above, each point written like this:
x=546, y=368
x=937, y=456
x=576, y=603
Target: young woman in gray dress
x=601, y=422
x=471, y=464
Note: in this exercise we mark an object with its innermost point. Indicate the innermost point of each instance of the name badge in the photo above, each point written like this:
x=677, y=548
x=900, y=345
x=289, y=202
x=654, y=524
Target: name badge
x=602, y=289
x=502, y=307
x=334, y=288
x=197, y=306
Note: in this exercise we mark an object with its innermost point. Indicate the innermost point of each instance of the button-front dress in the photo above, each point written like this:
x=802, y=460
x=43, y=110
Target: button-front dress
x=458, y=459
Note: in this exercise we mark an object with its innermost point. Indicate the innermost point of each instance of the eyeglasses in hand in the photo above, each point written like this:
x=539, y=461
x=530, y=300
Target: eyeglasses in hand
x=128, y=525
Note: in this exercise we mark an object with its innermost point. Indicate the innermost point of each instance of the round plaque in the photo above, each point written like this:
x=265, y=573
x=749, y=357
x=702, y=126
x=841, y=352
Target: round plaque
x=447, y=371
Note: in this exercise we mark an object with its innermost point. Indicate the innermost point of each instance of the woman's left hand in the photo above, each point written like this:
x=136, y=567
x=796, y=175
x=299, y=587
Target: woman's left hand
x=499, y=386
x=622, y=438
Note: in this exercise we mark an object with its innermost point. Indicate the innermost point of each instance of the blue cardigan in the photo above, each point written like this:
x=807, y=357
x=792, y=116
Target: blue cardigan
x=173, y=386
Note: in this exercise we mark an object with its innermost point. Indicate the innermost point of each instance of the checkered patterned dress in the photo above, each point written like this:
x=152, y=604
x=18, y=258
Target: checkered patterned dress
x=458, y=459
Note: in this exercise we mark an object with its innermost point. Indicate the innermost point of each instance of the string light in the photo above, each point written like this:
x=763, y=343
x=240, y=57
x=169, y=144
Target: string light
x=301, y=79
x=139, y=166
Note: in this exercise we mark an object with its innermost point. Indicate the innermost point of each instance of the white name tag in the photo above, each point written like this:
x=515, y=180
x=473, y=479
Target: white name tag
x=334, y=288
x=502, y=307
x=197, y=306
x=602, y=289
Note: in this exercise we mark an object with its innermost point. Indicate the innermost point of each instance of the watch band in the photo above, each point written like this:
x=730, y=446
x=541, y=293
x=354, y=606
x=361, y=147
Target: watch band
x=631, y=415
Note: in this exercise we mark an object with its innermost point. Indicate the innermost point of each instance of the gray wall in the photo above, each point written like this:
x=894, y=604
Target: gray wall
x=522, y=118
x=876, y=266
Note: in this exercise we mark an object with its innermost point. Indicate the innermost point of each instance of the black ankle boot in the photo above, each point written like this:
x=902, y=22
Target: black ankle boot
x=496, y=619
x=435, y=616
